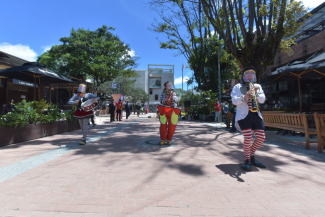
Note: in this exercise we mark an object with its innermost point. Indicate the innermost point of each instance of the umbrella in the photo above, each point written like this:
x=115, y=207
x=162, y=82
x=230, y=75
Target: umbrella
x=33, y=72
x=312, y=69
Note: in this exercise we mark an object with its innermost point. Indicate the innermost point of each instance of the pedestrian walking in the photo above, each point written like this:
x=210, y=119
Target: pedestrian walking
x=138, y=110
x=248, y=120
x=111, y=110
x=127, y=109
x=119, y=106
x=217, y=107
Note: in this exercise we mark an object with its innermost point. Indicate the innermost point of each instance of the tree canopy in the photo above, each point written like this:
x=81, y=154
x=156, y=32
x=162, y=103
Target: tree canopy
x=188, y=31
x=93, y=54
x=254, y=30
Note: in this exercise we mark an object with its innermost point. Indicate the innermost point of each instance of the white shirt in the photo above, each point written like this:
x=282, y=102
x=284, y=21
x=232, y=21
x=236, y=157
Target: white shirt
x=242, y=106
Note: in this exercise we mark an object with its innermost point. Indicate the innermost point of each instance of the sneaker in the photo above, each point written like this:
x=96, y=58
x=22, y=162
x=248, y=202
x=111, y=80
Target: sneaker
x=94, y=125
x=83, y=142
x=162, y=142
x=169, y=142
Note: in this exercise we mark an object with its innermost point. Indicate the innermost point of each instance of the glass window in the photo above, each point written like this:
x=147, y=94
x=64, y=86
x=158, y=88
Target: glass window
x=154, y=82
x=150, y=92
x=156, y=97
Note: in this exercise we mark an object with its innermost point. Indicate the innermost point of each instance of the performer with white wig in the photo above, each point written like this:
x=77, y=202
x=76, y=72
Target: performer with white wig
x=246, y=96
x=85, y=102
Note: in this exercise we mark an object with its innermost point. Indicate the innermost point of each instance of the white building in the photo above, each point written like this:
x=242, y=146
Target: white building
x=152, y=81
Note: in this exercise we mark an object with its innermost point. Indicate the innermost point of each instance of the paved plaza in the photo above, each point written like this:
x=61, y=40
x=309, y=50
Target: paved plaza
x=121, y=172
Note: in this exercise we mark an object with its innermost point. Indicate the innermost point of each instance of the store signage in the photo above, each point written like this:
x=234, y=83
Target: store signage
x=114, y=85
x=25, y=83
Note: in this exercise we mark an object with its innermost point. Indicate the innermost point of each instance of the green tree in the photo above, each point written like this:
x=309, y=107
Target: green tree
x=189, y=32
x=210, y=98
x=126, y=86
x=93, y=54
x=137, y=95
x=254, y=30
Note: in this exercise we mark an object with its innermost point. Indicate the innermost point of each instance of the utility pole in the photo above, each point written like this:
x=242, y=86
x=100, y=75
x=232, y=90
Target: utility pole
x=119, y=75
x=219, y=76
x=182, y=78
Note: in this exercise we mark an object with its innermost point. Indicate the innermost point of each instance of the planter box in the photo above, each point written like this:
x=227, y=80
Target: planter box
x=11, y=135
x=204, y=117
x=200, y=117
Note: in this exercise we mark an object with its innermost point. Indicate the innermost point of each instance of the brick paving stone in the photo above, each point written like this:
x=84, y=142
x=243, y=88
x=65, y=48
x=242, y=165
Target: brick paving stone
x=248, y=212
x=133, y=209
x=110, y=209
x=202, y=175
x=202, y=211
x=167, y=203
x=82, y=201
x=179, y=211
x=156, y=210
x=64, y=208
x=41, y=207
x=87, y=208
x=44, y=214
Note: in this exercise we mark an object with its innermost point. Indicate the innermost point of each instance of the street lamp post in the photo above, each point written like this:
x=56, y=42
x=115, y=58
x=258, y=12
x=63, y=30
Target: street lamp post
x=119, y=75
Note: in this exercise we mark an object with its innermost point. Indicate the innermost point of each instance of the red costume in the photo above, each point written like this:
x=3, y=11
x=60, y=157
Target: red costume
x=170, y=116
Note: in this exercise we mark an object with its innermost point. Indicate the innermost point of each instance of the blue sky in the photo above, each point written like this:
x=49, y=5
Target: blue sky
x=28, y=28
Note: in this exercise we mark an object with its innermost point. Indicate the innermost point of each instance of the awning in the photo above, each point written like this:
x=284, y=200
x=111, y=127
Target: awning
x=29, y=71
x=313, y=69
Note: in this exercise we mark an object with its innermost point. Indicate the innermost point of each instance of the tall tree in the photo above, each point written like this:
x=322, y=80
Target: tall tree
x=94, y=54
x=254, y=30
x=189, y=32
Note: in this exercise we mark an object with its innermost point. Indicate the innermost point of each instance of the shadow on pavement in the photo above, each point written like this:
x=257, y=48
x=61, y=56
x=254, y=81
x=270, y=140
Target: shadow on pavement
x=234, y=170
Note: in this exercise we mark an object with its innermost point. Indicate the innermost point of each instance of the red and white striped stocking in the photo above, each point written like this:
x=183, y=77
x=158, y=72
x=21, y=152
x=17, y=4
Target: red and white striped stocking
x=247, y=143
x=260, y=138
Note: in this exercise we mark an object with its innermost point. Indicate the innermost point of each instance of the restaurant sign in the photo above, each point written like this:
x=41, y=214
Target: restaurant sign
x=20, y=82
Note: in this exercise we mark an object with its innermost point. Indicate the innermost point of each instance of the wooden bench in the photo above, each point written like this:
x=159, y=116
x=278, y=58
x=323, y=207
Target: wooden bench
x=290, y=121
x=320, y=126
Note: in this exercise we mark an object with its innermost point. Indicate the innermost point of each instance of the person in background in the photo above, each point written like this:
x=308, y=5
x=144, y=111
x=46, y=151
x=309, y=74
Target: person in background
x=225, y=110
x=233, y=111
x=111, y=110
x=119, y=106
x=217, y=108
x=280, y=104
x=127, y=109
x=138, y=110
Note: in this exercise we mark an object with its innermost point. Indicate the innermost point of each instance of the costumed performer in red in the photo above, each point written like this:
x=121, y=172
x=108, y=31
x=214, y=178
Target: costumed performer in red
x=168, y=114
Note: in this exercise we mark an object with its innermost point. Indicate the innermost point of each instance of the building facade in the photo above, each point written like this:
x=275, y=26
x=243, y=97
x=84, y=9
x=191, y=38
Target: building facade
x=310, y=41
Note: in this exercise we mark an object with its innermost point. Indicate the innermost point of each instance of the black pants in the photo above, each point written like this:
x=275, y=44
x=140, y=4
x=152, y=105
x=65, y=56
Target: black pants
x=118, y=116
x=112, y=116
x=127, y=115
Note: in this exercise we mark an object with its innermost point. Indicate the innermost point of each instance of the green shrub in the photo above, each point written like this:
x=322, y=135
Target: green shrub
x=32, y=112
x=204, y=110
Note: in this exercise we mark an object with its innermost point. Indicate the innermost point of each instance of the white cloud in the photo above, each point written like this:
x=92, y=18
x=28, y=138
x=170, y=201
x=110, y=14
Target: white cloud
x=46, y=48
x=19, y=50
x=131, y=53
x=312, y=3
x=179, y=80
